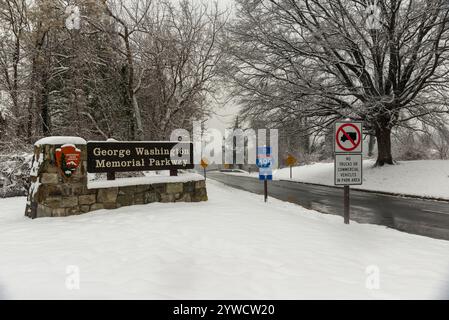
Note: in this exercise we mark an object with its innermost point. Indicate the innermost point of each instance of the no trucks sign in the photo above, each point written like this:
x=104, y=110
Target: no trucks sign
x=348, y=169
x=348, y=159
x=348, y=137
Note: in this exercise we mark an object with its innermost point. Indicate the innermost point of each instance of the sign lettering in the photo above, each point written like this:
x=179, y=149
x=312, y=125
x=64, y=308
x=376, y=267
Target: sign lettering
x=138, y=156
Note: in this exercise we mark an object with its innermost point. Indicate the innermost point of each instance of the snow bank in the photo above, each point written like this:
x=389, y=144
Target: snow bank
x=428, y=178
x=61, y=140
x=425, y=178
x=150, y=179
x=234, y=246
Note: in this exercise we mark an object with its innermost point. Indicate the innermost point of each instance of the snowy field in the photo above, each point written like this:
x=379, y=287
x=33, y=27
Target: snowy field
x=233, y=247
x=428, y=178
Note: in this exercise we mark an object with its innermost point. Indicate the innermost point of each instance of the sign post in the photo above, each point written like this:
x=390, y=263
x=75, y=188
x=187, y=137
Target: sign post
x=265, y=190
x=291, y=161
x=264, y=161
x=348, y=163
x=346, y=204
x=204, y=164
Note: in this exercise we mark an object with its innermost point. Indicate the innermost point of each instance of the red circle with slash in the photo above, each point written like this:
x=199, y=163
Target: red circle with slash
x=355, y=144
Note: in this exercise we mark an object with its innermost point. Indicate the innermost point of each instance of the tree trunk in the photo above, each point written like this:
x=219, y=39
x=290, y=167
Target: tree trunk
x=383, y=136
x=139, y=134
x=371, y=144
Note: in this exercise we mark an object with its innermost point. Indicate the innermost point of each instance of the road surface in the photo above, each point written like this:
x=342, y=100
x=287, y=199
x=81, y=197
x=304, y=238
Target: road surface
x=423, y=217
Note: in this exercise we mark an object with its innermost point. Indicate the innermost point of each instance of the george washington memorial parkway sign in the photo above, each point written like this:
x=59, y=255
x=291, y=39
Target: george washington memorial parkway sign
x=138, y=156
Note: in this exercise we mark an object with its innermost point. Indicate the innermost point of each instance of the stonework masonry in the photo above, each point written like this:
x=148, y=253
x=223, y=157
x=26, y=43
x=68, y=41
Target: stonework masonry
x=53, y=195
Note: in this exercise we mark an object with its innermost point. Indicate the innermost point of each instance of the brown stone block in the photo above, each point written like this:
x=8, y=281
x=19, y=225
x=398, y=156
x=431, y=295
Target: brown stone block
x=108, y=195
x=127, y=190
x=49, y=168
x=110, y=205
x=185, y=198
x=139, y=198
x=73, y=211
x=49, y=178
x=53, y=202
x=150, y=197
x=68, y=202
x=200, y=184
x=159, y=188
x=87, y=199
x=84, y=208
x=54, y=190
x=59, y=212
x=167, y=197
x=189, y=186
x=85, y=190
x=142, y=188
x=125, y=200
x=43, y=211
x=175, y=187
x=96, y=206
x=200, y=195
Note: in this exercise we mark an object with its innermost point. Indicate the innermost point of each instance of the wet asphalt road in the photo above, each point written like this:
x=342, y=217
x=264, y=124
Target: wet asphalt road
x=423, y=217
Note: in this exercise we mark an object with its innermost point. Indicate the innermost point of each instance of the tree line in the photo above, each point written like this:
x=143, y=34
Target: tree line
x=135, y=70
x=129, y=70
x=307, y=63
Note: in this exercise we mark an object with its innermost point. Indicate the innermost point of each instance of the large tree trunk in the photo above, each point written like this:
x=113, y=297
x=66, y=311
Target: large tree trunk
x=139, y=134
x=383, y=137
x=371, y=144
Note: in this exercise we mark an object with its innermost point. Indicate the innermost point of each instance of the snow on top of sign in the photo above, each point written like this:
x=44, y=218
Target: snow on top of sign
x=61, y=140
x=152, y=179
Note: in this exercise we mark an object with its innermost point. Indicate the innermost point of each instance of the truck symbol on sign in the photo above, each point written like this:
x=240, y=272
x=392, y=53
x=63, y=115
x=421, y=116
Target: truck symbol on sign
x=352, y=135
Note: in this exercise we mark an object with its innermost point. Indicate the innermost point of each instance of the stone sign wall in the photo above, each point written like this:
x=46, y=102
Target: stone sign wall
x=53, y=194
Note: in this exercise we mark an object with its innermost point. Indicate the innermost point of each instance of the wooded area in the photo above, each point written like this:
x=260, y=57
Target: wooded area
x=129, y=70
x=307, y=63
x=136, y=70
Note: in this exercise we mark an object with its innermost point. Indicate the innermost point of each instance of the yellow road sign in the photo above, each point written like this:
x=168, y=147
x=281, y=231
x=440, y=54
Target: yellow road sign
x=204, y=163
x=291, y=160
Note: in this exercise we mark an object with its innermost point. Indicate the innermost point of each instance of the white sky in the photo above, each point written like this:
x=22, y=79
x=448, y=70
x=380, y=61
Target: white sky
x=224, y=114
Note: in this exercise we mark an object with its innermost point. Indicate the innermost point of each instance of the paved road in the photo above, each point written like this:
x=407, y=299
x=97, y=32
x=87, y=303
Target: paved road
x=424, y=217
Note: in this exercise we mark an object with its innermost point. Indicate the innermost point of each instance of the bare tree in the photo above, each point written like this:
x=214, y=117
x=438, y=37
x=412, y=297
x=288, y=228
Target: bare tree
x=13, y=27
x=327, y=59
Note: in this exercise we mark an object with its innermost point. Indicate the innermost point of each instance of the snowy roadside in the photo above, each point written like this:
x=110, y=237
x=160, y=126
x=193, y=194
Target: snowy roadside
x=423, y=178
x=232, y=247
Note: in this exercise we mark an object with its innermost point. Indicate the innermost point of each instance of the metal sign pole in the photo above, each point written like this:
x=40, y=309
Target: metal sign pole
x=265, y=189
x=346, y=204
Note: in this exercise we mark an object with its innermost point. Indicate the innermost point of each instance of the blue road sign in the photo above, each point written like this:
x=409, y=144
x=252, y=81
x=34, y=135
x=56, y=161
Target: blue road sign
x=264, y=158
x=264, y=161
x=265, y=174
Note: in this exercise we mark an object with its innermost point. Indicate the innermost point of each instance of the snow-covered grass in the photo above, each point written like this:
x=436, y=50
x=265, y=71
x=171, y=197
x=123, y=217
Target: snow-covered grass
x=427, y=178
x=234, y=246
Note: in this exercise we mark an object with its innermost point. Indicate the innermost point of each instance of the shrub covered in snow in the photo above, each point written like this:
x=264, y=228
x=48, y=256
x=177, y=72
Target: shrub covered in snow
x=14, y=173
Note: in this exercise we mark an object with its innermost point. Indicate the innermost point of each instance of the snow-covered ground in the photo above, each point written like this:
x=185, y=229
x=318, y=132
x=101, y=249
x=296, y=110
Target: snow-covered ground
x=427, y=178
x=234, y=246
